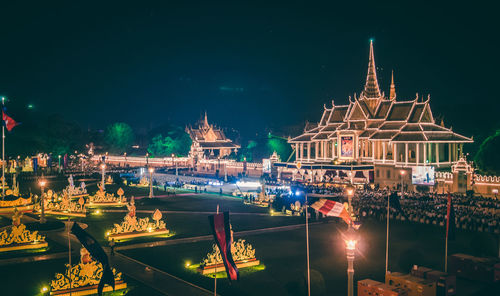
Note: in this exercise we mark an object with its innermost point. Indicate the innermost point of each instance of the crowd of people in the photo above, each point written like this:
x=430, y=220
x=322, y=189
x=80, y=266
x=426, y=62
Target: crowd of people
x=474, y=213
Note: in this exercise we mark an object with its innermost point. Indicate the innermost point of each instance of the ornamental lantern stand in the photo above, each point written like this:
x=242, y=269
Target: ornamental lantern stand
x=42, y=184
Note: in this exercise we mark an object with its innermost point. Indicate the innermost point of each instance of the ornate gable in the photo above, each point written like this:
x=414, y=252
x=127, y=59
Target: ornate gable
x=357, y=113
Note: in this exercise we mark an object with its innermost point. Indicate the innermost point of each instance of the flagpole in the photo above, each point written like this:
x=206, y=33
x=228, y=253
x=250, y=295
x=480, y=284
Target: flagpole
x=215, y=269
x=387, y=238
x=307, y=247
x=447, y=229
x=446, y=253
x=69, y=255
x=3, y=152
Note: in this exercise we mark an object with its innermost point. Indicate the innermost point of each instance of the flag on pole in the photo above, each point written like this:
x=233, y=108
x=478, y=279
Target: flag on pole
x=8, y=122
x=450, y=219
x=223, y=238
x=332, y=208
x=98, y=254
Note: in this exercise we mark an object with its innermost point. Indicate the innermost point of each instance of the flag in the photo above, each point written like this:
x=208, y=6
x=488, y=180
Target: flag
x=222, y=235
x=332, y=208
x=450, y=217
x=65, y=160
x=8, y=122
x=98, y=254
x=35, y=164
x=394, y=202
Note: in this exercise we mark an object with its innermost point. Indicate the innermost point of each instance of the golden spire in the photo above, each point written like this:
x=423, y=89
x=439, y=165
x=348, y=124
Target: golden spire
x=392, y=94
x=371, y=90
x=205, y=122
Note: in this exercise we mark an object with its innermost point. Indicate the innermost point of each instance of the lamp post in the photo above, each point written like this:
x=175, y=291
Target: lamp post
x=402, y=173
x=350, y=193
x=103, y=167
x=42, y=184
x=151, y=170
x=59, y=156
x=350, y=244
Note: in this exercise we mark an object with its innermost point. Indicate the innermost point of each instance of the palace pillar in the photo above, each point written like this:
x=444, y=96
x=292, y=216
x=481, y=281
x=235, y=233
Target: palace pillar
x=316, y=150
x=383, y=152
x=333, y=149
x=308, y=151
x=425, y=153
x=297, y=151
x=395, y=153
x=406, y=153
x=418, y=153
x=437, y=153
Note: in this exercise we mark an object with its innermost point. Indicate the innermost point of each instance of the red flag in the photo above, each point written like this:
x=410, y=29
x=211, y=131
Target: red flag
x=8, y=121
x=222, y=235
x=332, y=208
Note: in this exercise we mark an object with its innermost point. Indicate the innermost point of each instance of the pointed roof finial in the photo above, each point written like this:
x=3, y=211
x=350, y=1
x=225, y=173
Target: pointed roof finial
x=371, y=87
x=392, y=93
x=205, y=121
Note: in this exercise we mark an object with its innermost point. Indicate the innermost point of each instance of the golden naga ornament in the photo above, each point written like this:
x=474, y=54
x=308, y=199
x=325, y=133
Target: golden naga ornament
x=107, y=199
x=74, y=191
x=62, y=205
x=86, y=274
x=243, y=255
x=19, y=238
x=132, y=226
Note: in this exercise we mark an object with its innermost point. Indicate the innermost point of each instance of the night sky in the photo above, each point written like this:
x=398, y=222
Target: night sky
x=251, y=65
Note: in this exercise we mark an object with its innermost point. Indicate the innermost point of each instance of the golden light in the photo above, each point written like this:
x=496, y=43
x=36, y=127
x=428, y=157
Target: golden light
x=349, y=190
x=402, y=172
x=103, y=166
x=350, y=244
x=188, y=263
x=150, y=229
x=45, y=289
x=98, y=212
x=108, y=233
x=42, y=183
x=151, y=170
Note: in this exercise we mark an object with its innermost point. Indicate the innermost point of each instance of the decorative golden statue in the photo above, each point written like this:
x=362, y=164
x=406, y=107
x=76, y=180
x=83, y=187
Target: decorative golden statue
x=107, y=199
x=19, y=237
x=243, y=255
x=84, y=276
x=135, y=227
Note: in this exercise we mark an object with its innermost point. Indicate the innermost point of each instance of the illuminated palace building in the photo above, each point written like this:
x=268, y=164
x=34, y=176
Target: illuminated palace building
x=208, y=141
x=374, y=139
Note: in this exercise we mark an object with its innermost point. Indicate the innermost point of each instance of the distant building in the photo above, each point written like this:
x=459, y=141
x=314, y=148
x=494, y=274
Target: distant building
x=209, y=142
x=373, y=139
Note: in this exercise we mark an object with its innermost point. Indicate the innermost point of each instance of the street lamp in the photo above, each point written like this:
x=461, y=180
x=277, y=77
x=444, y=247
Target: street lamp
x=402, y=173
x=103, y=167
x=151, y=170
x=42, y=184
x=59, y=156
x=350, y=245
x=349, y=190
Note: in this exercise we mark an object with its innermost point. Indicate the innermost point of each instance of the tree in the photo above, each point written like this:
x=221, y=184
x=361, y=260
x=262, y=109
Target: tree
x=119, y=137
x=169, y=140
x=487, y=158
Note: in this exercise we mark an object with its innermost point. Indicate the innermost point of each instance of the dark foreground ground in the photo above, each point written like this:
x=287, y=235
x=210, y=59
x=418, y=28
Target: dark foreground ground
x=283, y=254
